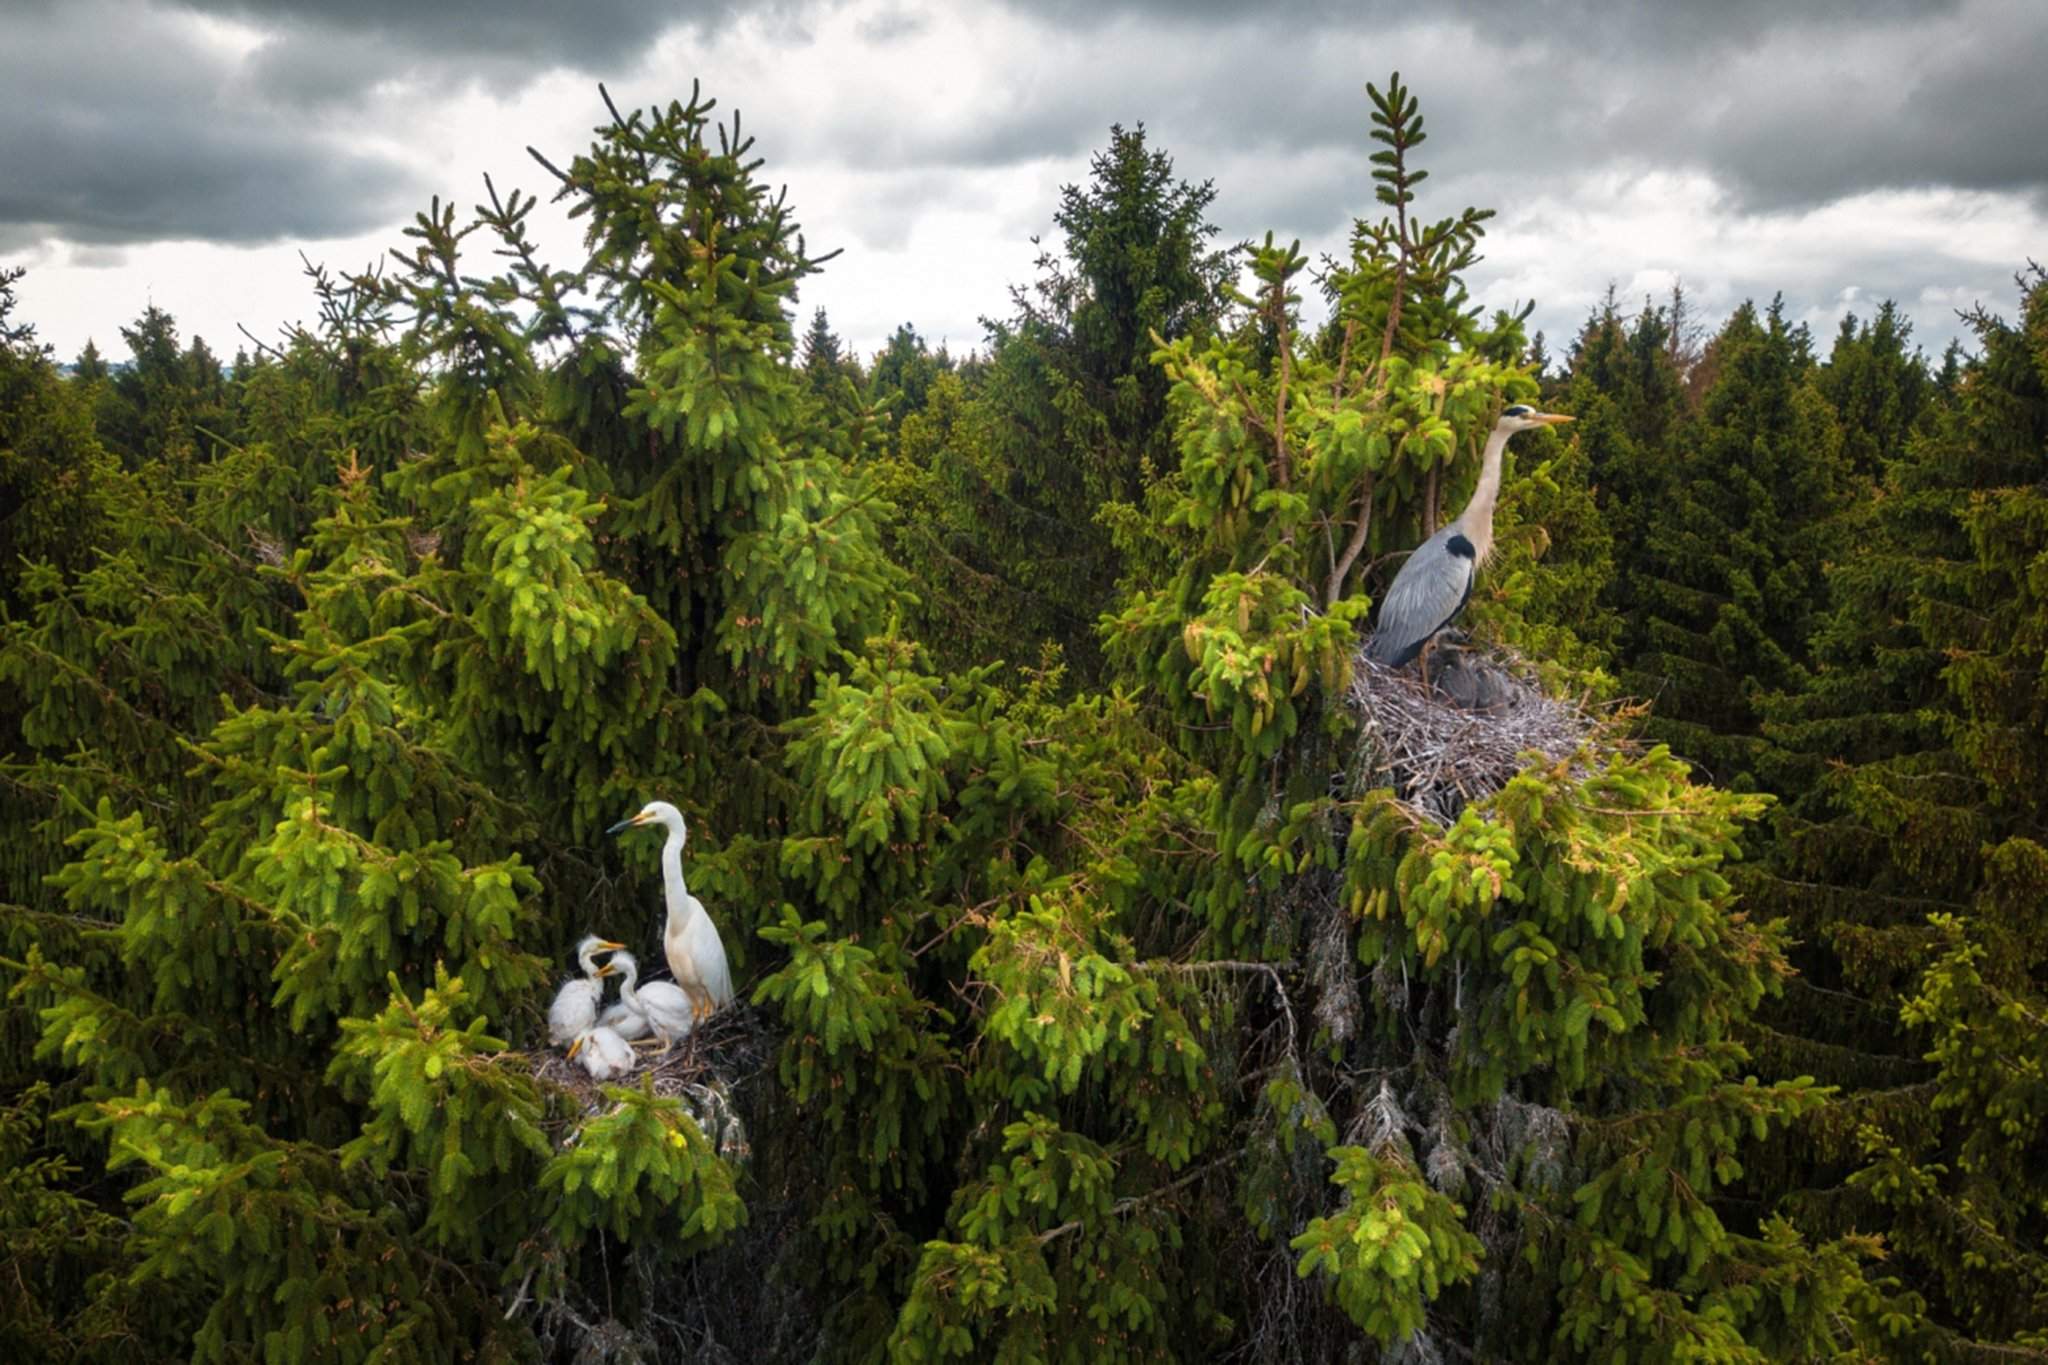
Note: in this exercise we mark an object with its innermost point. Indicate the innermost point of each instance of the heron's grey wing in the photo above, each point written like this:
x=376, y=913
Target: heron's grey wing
x=1429, y=591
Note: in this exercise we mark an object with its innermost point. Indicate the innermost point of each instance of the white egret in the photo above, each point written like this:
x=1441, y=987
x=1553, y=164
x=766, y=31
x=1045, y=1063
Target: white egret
x=1433, y=586
x=622, y=1019
x=662, y=1009
x=604, y=1054
x=575, y=1007
x=696, y=954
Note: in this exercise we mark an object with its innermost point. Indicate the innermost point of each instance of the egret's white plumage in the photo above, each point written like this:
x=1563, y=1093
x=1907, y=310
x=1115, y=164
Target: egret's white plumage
x=663, y=1010
x=575, y=1007
x=604, y=1054
x=690, y=941
x=622, y=1019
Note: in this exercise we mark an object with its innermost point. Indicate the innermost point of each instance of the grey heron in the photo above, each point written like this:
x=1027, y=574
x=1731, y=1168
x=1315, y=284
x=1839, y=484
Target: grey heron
x=695, y=952
x=1434, y=585
x=575, y=1007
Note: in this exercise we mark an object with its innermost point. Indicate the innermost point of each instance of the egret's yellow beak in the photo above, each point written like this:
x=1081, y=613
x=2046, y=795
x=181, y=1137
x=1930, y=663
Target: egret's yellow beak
x=1554, y=418
x=607, y=946
x=607, y=970
x=628, y=823
x=577, y=1046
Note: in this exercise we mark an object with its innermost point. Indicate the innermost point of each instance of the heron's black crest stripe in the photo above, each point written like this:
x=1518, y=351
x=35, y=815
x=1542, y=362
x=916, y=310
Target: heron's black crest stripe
x=1461, y=547
x=1518, y=410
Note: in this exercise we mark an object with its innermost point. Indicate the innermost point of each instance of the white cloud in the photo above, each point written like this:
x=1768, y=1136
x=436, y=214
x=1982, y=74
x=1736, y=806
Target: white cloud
x=1738, y=153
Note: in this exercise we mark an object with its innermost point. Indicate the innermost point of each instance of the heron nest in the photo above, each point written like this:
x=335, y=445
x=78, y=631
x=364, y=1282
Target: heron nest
x=1464, y=734
x=706, y=1070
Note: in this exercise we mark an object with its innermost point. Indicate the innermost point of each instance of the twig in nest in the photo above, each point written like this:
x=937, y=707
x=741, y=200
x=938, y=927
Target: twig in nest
x=1440, y=756
x=720, y=1055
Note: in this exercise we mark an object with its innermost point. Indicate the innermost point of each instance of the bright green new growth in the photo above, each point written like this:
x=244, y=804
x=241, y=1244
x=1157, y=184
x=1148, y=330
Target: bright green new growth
x=1103, y=1014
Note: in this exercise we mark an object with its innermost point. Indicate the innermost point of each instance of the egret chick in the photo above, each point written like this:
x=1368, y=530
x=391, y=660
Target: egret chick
x=575, y=1007
x=622, y=1019
x=664, y=1010
x=604, y=1054
x=695, y=952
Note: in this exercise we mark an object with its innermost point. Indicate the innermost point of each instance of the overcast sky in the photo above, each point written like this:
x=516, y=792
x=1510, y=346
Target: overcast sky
x=185, y=152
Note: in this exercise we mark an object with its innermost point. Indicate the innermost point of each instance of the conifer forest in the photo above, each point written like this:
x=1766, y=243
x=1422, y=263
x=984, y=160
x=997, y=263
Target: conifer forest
x=1122, y=965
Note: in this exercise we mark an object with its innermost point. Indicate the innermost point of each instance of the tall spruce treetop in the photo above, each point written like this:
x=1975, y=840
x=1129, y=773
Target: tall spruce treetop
x=1877, y=387
x=52, y=466
x=322, y=843
x=1077, y=413
x=731, y=499
x=1138, y=269
x=905, y=370
x=1521, y=984
x=1731, y=584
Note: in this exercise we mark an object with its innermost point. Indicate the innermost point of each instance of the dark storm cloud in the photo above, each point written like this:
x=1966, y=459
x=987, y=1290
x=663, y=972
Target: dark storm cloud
x=124, y=125
x=1785, y=105
x=327, y=52
x=1595, y=23
x=587, y=34
x=127, y=121
x=1946, y=112
x=158, y=130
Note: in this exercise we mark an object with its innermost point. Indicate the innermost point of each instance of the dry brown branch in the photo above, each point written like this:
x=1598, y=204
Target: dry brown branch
x=1353, y=547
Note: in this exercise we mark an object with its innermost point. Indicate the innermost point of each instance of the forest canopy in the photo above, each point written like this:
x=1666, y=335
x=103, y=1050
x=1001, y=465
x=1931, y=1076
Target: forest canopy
x=1106, y=988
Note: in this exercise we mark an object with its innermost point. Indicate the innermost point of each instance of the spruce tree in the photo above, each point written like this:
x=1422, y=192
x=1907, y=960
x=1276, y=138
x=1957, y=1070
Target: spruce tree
x=1629, y=398
x=1966, y=1193
x=1896, y=861
x=1074, y=409
x=319, y=851
x=1877, y=388
x=832, y=374
x=904, y=371
x=53, y=470
x=1734, y=548
x=1495, y=1036
x=91, y=366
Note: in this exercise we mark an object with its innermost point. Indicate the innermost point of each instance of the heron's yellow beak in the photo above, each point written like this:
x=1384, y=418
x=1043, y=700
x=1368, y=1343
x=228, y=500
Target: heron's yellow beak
x=1554, y=418
x=607, y=970
x=607, y=946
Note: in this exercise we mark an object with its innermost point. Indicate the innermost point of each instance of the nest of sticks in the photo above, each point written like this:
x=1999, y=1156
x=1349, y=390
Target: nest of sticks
x=1464, y=734
x=706, y=1071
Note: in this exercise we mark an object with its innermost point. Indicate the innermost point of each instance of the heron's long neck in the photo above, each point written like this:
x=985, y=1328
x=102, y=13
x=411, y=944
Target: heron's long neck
x=1476, y=521
x=672, y=878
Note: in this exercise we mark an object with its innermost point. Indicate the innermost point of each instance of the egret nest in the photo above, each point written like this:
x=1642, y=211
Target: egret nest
x=1462, y=736
x=706, y=1071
